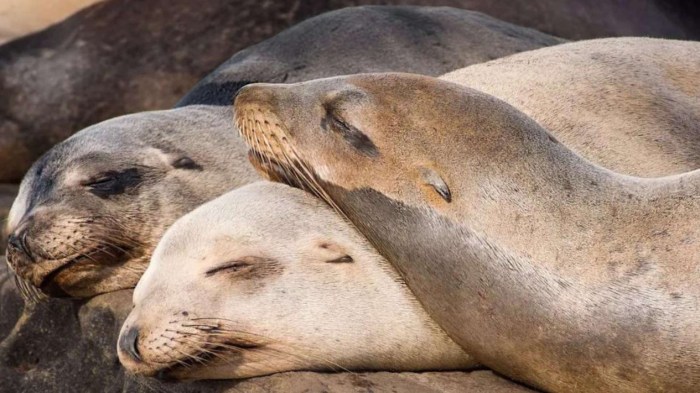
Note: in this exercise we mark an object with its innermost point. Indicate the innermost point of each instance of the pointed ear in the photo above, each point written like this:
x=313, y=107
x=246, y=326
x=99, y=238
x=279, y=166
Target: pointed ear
x=433, y=179
x=333, y=253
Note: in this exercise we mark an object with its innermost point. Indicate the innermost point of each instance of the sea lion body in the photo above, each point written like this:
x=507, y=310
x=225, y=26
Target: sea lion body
x=275, y=269
x=420, y=40
x=547, y=268
x=611, y=100
x=146, y=196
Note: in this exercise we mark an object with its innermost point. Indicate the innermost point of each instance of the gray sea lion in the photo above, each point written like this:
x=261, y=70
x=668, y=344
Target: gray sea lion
x=544, y=266
x=267, y=279
x=92, y=209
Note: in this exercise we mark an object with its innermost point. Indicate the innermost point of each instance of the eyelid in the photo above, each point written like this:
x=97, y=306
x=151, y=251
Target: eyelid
x=231, y=265
x=98, y=180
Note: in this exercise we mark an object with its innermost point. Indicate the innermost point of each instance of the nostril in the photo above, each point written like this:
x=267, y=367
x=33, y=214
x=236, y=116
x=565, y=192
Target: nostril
x=128, y=343
x=17, y=241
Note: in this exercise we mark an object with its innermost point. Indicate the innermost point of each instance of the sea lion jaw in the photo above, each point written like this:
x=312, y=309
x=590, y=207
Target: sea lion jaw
x=273, y=265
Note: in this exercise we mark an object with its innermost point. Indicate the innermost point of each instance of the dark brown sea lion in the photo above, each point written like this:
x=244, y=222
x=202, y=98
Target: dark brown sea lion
x=544, y=266
x=92, y=209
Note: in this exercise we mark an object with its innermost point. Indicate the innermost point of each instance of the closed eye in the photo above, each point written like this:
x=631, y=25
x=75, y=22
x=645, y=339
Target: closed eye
x=113, y=182
x=351, y=134
x=102, y=182
x=230, y=267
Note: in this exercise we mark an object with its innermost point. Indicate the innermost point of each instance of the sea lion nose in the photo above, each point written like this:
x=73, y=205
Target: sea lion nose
x=128, y=343
x=18, y=252
x=17, y=242
x=259, y=94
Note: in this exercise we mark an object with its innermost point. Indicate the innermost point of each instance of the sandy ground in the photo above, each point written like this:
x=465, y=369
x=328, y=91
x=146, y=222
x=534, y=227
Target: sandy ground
x=21, y=17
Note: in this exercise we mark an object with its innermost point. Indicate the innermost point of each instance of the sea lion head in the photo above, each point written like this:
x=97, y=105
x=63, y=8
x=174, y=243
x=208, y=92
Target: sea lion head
x=267, y=279
x=90, y=211
x=393, y=133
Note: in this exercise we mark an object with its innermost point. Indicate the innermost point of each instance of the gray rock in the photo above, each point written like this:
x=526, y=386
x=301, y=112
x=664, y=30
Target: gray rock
x=68, y=346
x=7, y=196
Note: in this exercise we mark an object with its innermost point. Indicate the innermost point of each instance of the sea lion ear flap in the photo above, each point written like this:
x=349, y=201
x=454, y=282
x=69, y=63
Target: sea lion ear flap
x=177, y=160
x=334, y=253
x=434, y=180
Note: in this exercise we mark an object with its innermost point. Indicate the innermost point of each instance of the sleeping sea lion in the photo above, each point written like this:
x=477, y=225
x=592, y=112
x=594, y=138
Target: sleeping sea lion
x=546, y=267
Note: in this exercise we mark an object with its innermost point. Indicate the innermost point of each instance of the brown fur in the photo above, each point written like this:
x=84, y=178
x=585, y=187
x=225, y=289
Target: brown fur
x=546, y=267
x=630, y=104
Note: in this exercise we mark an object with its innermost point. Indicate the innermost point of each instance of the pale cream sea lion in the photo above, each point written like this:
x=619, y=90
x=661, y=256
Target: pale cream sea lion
x=542, y=265
x=266, y=279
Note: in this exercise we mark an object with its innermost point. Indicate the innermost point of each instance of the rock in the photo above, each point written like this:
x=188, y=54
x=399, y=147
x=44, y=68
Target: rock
x=68, y=346
x=8, y=192
x=379, y=382
x=11, y=303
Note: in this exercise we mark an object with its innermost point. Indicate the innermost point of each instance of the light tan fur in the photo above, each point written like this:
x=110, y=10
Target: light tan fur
x=631, y=104
x=313, y=296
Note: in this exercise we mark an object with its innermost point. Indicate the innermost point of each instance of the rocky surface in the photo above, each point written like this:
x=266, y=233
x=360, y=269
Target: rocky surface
x=69, y=346
x=7, y=195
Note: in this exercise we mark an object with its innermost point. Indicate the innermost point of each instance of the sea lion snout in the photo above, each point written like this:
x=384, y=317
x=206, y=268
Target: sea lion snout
x=260, y=94
x=128, y=344
x=18, y=254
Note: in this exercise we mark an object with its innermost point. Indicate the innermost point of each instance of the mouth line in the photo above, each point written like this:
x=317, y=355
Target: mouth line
x=203, y=358
x=277, y=170
x=101, y=255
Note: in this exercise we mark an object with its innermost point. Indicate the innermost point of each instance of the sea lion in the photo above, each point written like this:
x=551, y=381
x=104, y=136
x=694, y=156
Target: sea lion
x=267, y=279
x=91, y=210
x=544, y=266
x=369, y=39
x=120, y=184
x=600, y=95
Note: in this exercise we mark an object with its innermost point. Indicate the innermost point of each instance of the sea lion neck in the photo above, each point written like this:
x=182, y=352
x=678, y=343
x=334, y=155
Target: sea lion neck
x=526, y=311
x=511, y=180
